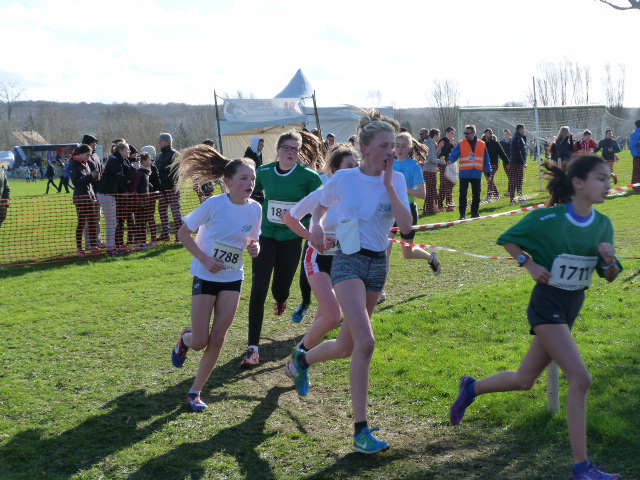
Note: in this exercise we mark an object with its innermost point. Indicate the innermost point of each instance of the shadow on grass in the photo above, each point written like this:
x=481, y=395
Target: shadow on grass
x=631, y=278
x=392, y=304
x=241, y=441
x=34, y=453
x=132, y=417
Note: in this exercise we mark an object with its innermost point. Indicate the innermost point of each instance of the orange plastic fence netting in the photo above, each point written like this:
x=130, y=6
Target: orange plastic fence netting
x=46, y=229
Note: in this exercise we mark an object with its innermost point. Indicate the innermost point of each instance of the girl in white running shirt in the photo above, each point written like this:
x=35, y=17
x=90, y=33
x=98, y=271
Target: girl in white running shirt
x=226, y=224
x=367, y=199
x=317, y=265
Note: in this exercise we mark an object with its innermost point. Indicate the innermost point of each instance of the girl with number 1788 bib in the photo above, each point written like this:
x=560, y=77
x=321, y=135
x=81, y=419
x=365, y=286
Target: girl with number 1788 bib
x=564, y=246
x=226, y=224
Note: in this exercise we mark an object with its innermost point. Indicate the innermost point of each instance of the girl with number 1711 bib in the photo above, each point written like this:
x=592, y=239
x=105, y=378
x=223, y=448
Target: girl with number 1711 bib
x=564, y=246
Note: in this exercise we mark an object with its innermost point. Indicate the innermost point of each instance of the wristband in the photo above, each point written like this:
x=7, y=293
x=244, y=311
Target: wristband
x=607, y=267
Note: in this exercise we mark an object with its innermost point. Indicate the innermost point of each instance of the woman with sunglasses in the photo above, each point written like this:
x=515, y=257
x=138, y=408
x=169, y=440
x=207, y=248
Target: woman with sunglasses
x=283, y=184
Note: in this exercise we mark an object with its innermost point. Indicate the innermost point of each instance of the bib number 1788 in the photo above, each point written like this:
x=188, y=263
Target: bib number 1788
x=225, y=256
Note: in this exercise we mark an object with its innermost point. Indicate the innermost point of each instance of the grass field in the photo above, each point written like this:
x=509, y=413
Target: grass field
x=88, y=391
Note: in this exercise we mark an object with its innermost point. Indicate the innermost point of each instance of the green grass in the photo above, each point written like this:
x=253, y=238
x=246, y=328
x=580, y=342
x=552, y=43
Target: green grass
x=87, y=390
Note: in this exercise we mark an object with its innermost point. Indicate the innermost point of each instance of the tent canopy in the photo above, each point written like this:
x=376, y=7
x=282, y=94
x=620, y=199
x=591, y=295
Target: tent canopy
x=298, y=87
x=270, y=118
x=264, y=118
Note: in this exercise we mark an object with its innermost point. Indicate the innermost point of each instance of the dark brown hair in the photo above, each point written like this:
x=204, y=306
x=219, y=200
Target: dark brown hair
x=336, y=155
x=560, y=184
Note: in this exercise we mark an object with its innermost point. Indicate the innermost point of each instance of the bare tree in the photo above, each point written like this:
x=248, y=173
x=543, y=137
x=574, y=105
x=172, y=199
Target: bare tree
x=55, y=123
x=374, y=97
x=444, y=98
x=633, y=4
x=614, y=90
x=199, y=121
x=10, y=94
x=126, y=121
x=562, y=83
x=5, y=135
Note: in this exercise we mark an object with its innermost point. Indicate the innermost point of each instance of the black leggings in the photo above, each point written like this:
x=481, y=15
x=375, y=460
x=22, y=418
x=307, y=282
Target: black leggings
x=281, y=258
x=305, y=288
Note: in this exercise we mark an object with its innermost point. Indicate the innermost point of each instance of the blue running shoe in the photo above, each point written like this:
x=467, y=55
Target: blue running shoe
x=366, y=442
x=594, y=472
x=195, y=403
x=302, y=374
x=300, y=312
x=464, y=399
x=179, y=353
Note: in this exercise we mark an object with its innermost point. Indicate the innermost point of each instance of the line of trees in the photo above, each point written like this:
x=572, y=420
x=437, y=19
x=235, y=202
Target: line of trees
x=557, y=84
x=66, y=123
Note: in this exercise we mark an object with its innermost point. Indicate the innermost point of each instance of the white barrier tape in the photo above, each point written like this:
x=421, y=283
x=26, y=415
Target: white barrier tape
x=496, y=215
x=477, y=255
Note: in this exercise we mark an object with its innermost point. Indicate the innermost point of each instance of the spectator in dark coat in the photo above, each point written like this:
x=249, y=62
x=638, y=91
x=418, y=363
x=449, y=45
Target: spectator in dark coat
x=254, y=152
x=96, y=166
x=113, y=185
x=496, y=152
x=50, y=174
x=563, y=147
x=5, y=195
x=84, y=197
x=169, y=193
x=609, y=148
x=445, y=193
x=143, y=207
x=517, y=163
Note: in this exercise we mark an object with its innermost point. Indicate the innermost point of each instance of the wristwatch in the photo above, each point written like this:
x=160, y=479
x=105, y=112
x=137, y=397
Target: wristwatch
x=522, y=259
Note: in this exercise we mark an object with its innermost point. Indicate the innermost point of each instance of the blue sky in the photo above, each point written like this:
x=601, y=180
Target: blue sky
x=168, y=51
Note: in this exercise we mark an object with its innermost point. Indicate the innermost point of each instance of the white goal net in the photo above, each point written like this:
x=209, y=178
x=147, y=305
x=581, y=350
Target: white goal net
x=550, y=119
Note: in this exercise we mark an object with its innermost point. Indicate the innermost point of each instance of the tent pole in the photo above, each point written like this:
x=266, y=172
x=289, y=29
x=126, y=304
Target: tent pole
x=315, y=110
x=215, y=99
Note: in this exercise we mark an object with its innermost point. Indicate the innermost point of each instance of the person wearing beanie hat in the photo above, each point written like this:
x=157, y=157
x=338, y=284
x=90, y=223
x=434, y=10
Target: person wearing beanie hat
x=95, y=165
x=150, y=149
x=169, y=193
x=89, y=139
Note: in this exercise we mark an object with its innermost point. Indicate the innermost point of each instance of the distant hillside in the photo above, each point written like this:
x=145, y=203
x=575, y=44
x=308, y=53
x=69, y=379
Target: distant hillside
x=140, y=123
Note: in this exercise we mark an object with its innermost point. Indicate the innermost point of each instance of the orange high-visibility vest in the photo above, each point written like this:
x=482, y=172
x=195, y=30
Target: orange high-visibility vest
x=468, y=159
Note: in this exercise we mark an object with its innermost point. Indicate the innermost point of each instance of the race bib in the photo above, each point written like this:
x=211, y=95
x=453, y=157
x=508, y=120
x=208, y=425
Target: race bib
x=276, y=210
x=348, y=232
x=572, y=272
x=334, y=249
x=229, y=254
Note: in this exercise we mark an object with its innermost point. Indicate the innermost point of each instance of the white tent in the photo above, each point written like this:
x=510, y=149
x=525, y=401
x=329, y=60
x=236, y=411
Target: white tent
x=269, y=118
x=264, y=118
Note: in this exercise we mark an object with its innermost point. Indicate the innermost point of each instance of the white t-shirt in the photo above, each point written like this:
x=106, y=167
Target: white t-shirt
x=308, y=204
x=356, y=195
x=224, y=230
